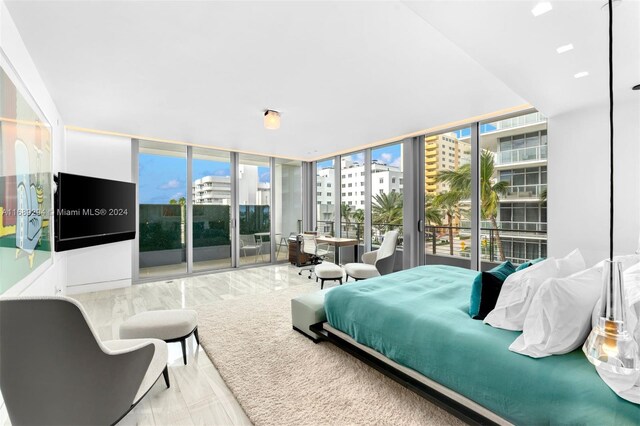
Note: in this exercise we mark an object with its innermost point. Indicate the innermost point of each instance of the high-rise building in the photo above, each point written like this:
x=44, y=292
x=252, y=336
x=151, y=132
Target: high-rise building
x=217, y=189
x=443, y=152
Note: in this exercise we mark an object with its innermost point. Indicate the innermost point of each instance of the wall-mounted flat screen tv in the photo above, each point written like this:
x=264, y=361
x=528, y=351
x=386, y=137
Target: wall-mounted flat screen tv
x=90, y=211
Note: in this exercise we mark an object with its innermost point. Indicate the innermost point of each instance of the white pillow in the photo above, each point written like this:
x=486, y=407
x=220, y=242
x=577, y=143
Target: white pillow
x=520, y=287
x=570, y=264
x=514, y=299
x=559, y=319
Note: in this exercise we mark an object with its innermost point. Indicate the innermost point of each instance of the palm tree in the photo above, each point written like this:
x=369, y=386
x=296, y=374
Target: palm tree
x=358, y=217
x=345, y=214
x=543, y=197
x=449, y=204
x=460, y=181
x=387, y=210
x=432, y=213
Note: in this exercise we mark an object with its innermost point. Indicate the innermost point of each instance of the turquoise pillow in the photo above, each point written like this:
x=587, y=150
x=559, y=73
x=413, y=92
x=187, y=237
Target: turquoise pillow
x=486, y=289
x=525, y=265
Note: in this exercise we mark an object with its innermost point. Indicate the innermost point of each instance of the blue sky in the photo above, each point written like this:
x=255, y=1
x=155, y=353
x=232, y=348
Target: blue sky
x=387, y=154
x=164, y=178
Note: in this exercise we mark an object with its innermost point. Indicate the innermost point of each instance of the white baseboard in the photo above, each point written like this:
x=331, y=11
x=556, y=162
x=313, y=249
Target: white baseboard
x=91, y=287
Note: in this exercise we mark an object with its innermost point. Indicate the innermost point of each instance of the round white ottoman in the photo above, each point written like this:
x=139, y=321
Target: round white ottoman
x=174, y=325
x=327, y=271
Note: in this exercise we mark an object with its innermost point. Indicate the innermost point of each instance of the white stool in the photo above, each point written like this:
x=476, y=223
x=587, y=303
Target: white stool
x=327, y=271
x=174, y=325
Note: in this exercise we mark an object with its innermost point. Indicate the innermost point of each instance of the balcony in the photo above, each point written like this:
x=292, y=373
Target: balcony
x=519, y=192
x=431, y=166
x=452, y=245
x=534, y=153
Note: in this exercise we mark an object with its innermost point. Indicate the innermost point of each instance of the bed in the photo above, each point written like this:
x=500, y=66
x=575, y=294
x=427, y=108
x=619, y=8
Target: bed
x=416, y=322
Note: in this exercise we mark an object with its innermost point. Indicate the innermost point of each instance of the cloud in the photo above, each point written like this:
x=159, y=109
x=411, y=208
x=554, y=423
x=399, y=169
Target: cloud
x=385, y=157
x=357, y=158
x=172, y=184
x=221, y=172
x=396, y=163
x=265, y=177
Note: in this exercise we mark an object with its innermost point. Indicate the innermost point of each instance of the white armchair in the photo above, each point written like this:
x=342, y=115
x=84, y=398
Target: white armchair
x=55, y=370
x=377, y=262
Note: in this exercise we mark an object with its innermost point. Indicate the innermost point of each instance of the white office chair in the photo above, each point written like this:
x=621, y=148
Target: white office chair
x=316, y=252
x=377, y=262
x=248, y=242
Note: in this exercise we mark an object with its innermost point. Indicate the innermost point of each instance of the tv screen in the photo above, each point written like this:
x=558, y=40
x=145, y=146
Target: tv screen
x=90, y=211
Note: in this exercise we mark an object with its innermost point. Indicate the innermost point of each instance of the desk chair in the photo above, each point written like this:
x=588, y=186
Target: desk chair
x=316, y=252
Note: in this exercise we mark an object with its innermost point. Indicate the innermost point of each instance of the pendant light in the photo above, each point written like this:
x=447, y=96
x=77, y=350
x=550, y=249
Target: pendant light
x=610, y=346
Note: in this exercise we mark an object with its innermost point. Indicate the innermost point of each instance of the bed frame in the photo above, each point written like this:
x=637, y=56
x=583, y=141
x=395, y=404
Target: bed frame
x=454, y=403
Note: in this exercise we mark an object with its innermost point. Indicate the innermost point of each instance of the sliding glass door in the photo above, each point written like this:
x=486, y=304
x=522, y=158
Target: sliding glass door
x=211, y=209
x=386, y=193
x=162, y=198
x=513, y=171
x=288, y=204
x=447, y=183
x=254, y=200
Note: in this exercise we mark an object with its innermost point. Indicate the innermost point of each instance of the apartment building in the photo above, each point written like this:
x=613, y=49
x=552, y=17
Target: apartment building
x=443, y=152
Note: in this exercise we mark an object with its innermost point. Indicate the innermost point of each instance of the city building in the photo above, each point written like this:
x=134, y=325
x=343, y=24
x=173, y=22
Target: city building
x=217, y=189
x=520, y=151
x=443, y=152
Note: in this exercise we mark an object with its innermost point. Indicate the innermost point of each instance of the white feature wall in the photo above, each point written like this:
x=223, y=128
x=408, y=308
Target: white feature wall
x=578, y=173
x=106, y=266
x=48, y=279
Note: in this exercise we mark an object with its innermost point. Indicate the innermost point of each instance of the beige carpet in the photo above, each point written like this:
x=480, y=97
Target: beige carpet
x=282, y=378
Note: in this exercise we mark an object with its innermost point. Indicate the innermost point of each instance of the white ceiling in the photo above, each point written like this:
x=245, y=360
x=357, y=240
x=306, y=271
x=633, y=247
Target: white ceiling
x=342, y=73
x=520, y=49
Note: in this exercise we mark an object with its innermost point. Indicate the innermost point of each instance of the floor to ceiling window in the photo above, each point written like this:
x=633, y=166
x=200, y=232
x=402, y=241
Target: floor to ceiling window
x=326, y=197
x=447, y=166
x=288, y=204
x=514, y=188
x=352, y=196
x=211, y=191
x=386, y=192
x=254, y=199
x=162, y=195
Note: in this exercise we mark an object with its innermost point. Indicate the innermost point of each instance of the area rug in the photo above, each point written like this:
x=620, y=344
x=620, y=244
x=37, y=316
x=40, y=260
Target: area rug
x=280, y=377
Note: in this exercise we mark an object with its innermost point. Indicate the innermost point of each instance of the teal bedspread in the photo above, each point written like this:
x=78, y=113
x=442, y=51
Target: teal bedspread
x=419, y=318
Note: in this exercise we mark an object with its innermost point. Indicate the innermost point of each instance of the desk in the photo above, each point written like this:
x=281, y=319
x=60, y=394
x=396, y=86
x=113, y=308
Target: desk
x=340, y=242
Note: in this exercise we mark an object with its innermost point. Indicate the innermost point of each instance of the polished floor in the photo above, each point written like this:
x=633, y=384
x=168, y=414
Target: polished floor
x=198, y=395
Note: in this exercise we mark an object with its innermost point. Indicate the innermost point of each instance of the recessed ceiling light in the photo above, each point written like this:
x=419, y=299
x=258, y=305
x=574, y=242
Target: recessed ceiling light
x=565, y=48
x=541, y=8
x=581, y=74
x=271, y=119
x=636, y=87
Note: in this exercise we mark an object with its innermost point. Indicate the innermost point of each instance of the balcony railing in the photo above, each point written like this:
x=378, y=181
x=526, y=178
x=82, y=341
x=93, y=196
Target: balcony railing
x=525, y=191
x=456, y=241
x=511, y=156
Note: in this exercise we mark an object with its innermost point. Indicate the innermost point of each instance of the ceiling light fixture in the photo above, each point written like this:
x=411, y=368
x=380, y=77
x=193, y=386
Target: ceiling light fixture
x=541, y=8
x=636, y=87
x=271, y=119
x=581, y=74
x=565, y=48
